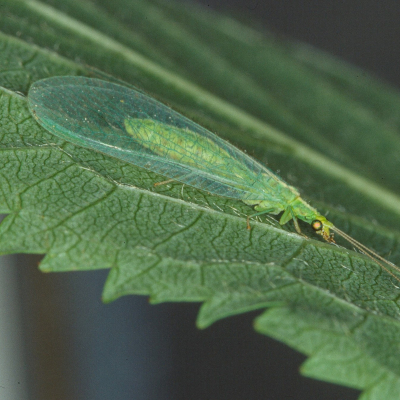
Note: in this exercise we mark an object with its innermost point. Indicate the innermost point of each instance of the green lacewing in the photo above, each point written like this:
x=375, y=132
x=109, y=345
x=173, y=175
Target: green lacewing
x=129, y=125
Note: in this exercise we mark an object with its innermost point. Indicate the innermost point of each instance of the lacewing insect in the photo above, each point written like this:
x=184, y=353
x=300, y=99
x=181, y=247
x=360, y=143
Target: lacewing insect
x=131, y=126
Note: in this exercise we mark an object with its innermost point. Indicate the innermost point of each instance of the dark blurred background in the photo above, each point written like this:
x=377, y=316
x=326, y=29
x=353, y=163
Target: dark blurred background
x=75, y=347
x=363, y=32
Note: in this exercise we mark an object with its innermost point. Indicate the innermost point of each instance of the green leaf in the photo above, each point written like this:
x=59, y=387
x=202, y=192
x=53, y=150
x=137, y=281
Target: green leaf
x=327, y=129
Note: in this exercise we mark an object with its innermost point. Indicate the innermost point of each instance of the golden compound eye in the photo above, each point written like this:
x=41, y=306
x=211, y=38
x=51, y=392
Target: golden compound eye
x=317, y=225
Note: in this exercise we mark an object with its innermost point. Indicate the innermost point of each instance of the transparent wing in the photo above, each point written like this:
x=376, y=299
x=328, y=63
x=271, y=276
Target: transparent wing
x=131, y=126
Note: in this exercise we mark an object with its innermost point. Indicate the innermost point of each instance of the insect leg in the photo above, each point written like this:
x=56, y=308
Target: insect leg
x=287, y=216
x=296, y=224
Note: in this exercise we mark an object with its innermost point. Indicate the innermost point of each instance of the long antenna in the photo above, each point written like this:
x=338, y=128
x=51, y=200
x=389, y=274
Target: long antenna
x=369, y=253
